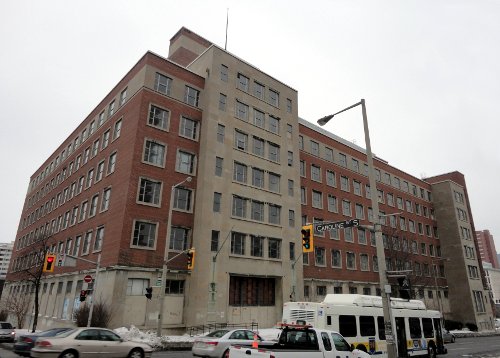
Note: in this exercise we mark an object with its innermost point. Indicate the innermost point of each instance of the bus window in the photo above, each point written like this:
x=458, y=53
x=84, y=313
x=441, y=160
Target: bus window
x=328, y=320
x=340, y=343
x=347, y=326
x=381, y=328
x=326, y=341
x=415, y=330
x=366, y=326
x=427, y=325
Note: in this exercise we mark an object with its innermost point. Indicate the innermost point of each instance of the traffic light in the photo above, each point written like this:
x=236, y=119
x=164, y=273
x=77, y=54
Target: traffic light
x=404, y=288
x=48, y=264
x=190, y=255
x=83, y=295
x=149, y=292
x=307, y=238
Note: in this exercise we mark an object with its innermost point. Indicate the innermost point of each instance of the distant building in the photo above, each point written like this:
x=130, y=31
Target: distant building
x=5, y=255
x=487, y=248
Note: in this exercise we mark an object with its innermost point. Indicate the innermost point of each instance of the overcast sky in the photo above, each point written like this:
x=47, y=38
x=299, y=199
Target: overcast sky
x=428, y=69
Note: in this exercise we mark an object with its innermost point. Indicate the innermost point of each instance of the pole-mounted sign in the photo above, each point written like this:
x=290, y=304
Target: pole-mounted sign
x=326, y=226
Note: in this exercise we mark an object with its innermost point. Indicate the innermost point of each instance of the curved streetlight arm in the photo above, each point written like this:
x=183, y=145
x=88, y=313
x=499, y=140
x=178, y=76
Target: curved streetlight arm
x=325, y=119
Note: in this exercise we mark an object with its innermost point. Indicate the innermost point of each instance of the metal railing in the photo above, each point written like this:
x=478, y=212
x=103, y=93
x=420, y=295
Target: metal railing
x=205, y=328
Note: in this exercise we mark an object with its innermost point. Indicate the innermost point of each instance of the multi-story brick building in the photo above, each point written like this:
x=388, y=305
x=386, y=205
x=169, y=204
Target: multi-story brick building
x=257, y=173
x=487, y=249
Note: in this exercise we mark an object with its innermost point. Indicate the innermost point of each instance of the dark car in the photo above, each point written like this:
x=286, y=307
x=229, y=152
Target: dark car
x=27, y=341
x=7, y=332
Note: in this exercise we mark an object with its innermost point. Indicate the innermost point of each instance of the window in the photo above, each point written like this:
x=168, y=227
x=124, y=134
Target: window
x=315, y=173
x=241, y=140
x=93, y=205
x=178, y=238
x=99, y=237
x=274, y=124
x=317, y=199
x=86, y=155
x=319, y=256
x=191, y=96
x=100, y=171
x=105, y=139
x=348, y=236
x=274, y=98
x=220, y=133
x=105, y=199
x=242, y=111
x=274, y=248
x=363, y=261
x=243, y=82
x=223, y=72
x=188, y=128
x=238, y=243
x=74, y=215
x=149, y=191
x=291, y=218
x=258, y=90
x=258, y=146
x=258, y=118
x=214, y=243
x=154, y=153
x=256, y=246
x=357, y=187
x=290, y=158
x=111, y=163
x=158, y=117
x=336, y=259
x=163, y=84
x=355, y=165
x=217, y=202
x=274, y=152
x=185, y=162
x=117, y=129
x=344, y=183
x=182, y=199
x=137, y=286
x=360, y=213
x=351, y=261
x=240, y=172
x=218, y=166
x=174, y=287
x=86, y=242
x=346, y=208
x=274, y=214
x=258, y=177
x=222, y=102
x=88, y=183
x=111, y=109
x=274, y=182
x=289, y=105
x=290, y=187
x=83, y=211
x=239, y=206
x=343, y=160
x=95, y=148
x=123, y=97
x=144, y=235
x=257, y=210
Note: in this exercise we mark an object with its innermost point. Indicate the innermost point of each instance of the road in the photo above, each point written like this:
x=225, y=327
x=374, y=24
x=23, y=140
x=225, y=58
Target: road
x=473, y=347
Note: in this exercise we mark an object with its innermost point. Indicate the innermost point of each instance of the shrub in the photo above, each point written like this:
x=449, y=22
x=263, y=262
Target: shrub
x=3, y=315
x=471, y=326
x=101, y=315
x=453, y=325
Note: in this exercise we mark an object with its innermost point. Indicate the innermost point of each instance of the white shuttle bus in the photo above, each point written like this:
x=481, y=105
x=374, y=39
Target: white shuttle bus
x=360, y=319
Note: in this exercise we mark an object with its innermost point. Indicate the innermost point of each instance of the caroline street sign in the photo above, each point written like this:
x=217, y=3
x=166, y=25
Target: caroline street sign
x=325, y=226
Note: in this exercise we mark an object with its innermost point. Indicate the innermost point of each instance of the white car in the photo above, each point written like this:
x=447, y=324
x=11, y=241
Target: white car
x=215, y=344
x=89, y=342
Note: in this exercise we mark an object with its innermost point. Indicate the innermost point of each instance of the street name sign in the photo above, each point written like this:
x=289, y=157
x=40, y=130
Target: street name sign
x=325, y=226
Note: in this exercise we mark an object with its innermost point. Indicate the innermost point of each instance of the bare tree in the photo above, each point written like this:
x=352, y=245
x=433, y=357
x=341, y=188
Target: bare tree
x=30, y=270
x=19, y=305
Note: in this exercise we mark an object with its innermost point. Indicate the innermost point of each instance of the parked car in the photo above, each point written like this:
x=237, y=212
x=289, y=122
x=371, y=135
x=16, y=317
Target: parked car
x=448, y=337
x=25, y=342
x=7, y=332
x=89, y=342
x=216, y=344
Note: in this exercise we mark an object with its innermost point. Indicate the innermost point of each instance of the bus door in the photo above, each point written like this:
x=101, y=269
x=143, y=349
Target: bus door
x=401, y=337
x=438, y=330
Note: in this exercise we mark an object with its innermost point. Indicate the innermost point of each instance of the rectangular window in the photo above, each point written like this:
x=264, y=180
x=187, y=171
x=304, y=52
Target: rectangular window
x=223, y=73
x=289, y=105
x=182, y=199
x=185, y=162
x=137, y=286
x=154, y=153
x=343, y=160
x=123, y=96
x=256, y=246
x=214, y=242
x=221, y=129
x=162, y=84
x=111, y=108
x=111, y=163
x=258, y=118
x=178, y=238
x=149, y=191
x=346, y=208
x=105, y=139
x=315, y=173
x=93, y=205
x=239, y=206
x=258, y=90
x=351, y=260
x=222, y=102
x=240, y=172
x=106, y=196
x=274, y=182
x=191, y=96
x=274, y=214
x=83, y=211
x=144, y=234
x=317, y=199
x=290, y=187
x=158, y=117
x=258, y=146
x=238, y=243
x=219, y=162
x=274, y=152
x=241, y=140
x=243, y=82
x=344, y=183
x=188, y=128
x=88, y=183
x=242, y=111
x=257, y=212
x=274, y=124
x=274, y=98
x=99, y=237
x=217, y=202
x=117, y=129
x=100, y=172
x=274, y=248
x=319, y=256
x=174, y=287
x=258, y=177
x=95, y=148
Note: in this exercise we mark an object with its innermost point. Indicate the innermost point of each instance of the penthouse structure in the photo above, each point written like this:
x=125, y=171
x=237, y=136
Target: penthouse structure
x=214, y=146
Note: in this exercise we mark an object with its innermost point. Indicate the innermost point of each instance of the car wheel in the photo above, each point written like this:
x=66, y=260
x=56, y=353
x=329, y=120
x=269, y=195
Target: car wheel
x=69, y=354
x=432, y=352
x=136, y=353
x=226, y=354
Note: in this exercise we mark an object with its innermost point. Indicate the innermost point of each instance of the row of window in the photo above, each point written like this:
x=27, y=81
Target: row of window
x=387, y=178
x=155, y=154
x=256, y=246
x=259, y=147
x=357, y=189
x=80, y=138
x=84, y=182
x=80, y=245
x=80, y=160
x=259, y=118
x=86, y=210
x=163, y=84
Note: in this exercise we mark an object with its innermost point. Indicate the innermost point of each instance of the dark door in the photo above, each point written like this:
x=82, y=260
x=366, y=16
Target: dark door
x=401, y=337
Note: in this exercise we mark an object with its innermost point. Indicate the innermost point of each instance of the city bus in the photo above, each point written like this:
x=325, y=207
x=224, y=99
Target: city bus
x=360, y=319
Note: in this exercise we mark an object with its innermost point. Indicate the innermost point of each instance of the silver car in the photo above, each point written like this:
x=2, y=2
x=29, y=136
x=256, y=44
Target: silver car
x=448, y=337
x=7, y=332
x=89, y=342
x=215, y=344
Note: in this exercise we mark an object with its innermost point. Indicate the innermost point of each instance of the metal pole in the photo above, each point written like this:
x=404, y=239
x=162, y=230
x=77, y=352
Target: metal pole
x=94, y=289
x=384, y=284
x=165, y=256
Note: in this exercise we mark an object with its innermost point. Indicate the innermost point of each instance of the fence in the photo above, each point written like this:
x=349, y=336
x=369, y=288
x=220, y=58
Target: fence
x=205, y=328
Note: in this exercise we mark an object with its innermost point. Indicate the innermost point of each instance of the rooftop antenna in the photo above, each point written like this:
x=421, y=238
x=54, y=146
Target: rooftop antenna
x=227, y=24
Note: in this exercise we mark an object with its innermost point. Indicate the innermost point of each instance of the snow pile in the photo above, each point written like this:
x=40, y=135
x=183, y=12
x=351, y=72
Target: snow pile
x=149, y=337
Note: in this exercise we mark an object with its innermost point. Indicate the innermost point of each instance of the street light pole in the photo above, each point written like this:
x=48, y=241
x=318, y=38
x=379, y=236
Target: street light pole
x=165, y=255
x=385, y=288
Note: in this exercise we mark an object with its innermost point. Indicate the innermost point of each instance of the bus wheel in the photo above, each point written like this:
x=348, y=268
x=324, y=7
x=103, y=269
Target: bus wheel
x=432, y=352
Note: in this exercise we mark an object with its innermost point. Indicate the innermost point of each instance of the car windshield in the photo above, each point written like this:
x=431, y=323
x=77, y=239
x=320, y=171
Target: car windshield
x=5, y=326
x=217, y=334
x=67, y=333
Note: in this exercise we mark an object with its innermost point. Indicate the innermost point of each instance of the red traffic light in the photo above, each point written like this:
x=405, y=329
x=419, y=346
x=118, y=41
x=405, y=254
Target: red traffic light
x=50, y=259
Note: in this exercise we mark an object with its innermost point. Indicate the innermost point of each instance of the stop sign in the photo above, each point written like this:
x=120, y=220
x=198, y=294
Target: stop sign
x=87, y=278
